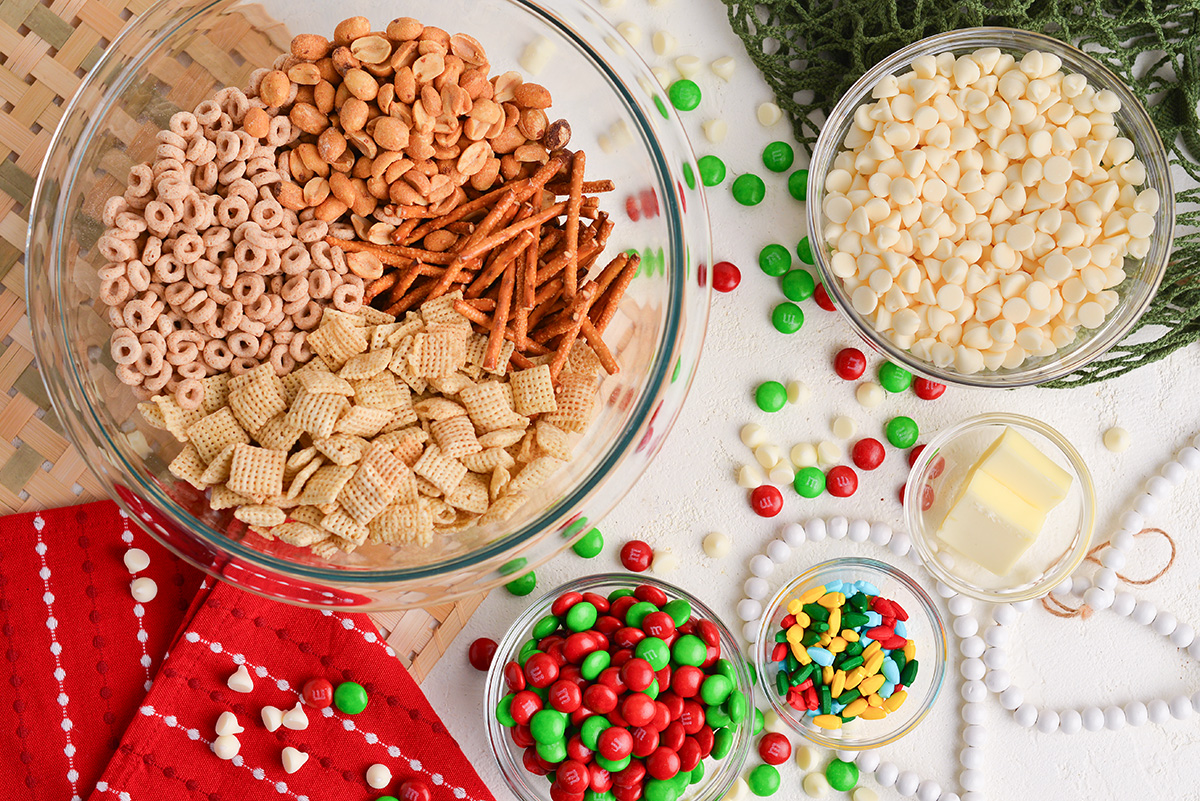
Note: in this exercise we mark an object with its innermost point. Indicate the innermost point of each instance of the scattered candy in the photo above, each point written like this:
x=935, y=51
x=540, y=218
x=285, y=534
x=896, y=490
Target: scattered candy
x=636, y=556
x=379, y=776
x=928, y=390
x=804, y=250
x=684, y=94
x=630, y=32
x=662, y=76
x=749, y=189
x=228, y=724
x=317, y=693
x=292, y=759
x=717, y=545
x=778, y=156
x=664, y=561
x=295, y=718
x=143, y=589
x=415, y=790
x=715, y=130
x=781, y=474
x=750, y=476
x=828, y=453
x=842, y=775
x=712, y=170
x=768, y=454
x=869, y=395
x=522, y=585
x=664, y=43
x=822, y=298
x=867, y=453
x=787, y=317
x=240, y=681
x=481, y=652
x=136, y=560
x=770, y=396
x=798, y=285
x=723, y=67
x=1117, y=439
x=844, y=427
x=272, y=718
x=753, y=435
x=350, y=697
x=766, y=501
x=775, y=260
x=805, y=757
x=774, y=748
x=810, y=482
x=798, y=184
x=725, y=276
x=226, y=746
x=902, y=432
x=768, y=114
x=815, y=785
x=590, y=544
x=804, y=454
x=849, y=364
x=763, y=780
x=688, y=66
x=864, y=794
x=537, y=54
x=841, y=482
x=894, y=378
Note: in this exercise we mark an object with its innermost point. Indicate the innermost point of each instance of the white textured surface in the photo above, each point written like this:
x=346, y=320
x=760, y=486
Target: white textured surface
x=690, y=491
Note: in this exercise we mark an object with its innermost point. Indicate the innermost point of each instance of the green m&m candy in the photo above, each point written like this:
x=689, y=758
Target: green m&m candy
x=770, y=396
x=637, y=613
x=591, y=729
x=798, y=184
x=594, y=664
x=775, y=260
x=679, y=610
x=778, y=156
x=763, y=780
x=894, y=378
x=504, y=711
x=523, y=585
x=722, y=743
x=553, y=751
x=759, y=722
x=712, y=170
x=715, y=689
x=842, y=775
x=737, y=706
x=581, y=616
x=798, y=285
x=689, y=650
x=787, y=318
x=809, y=482
x=589, y=545
x=685, y=94
x=654, y=651
x=902, y=432
x=749, y=189
x=804, y=250
x=545, y=626
x=548, y=725
x=351, y=698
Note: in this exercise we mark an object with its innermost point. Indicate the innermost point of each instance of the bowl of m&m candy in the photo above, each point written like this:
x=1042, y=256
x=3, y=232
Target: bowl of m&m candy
x=852, y=653
x=611, y=687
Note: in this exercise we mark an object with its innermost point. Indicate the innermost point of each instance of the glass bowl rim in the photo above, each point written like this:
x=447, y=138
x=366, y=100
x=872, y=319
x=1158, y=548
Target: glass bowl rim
x=62, y=389
x=868, y=565
x=826, y=149
x=519, y=629
x=917, y=529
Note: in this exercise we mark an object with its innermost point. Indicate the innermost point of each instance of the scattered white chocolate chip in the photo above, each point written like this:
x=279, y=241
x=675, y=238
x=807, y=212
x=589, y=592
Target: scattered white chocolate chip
x=272, y=717
x=136, y=560
x=240, y=681
x=723, y=68
x=379, y=776
x=750, y=476
x=295, y=718
x=869, y=394
x=537, y=55
x=828, y=453
x=717, y=545
x=782, y=473
x=1117, y=439
x=228, y=724
x=662, y=75
x=816, y=785
x=844, y=427
x=630, y=32
x=740, y=791
x=753, y=435
x=665, y=561
x=614, y=44
x=805, y=757
x=141, y=446
x=803, y=455
x=688, y=66
x=143, y=589
x=226, y=746
x=292, y=759
x=863, y=794
x=767, y=455
x=606, y=144
x=612, y=3
x=620, y=133
x=715, y=130
x=769, y=114
x=664, y=43
x=773, y=722
x=798, y=392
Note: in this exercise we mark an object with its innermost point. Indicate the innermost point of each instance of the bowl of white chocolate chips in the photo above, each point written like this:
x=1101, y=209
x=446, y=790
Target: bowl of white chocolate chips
x=991, y=207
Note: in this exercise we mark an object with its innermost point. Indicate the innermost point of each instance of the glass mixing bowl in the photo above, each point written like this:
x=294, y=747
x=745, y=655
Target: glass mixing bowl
x=1143, y=276
x=177, y=54
x=719, y=775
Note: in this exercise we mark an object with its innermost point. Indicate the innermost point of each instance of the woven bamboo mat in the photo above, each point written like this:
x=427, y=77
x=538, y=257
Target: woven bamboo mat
x=46, y=47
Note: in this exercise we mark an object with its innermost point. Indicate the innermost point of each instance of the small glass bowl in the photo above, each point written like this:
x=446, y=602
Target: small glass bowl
x=1143, y=275
x=1064, y=539
x=925, y=628
x=719, y=775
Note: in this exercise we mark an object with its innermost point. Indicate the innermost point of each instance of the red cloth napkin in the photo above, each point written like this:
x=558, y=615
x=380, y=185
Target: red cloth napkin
x=79, y=651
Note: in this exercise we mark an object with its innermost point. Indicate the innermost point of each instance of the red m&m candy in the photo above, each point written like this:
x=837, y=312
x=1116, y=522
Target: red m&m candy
x=841, y=482
x=636, y=555
x=615, y=743
x=774, y=748
x=867, y=453
x=663, y=764
x=317, y=693
x=481, y=652
x=928, y=390
x=766, y=501
x=850, y=363
x=414, y=790
x=822, y=298
x=725, y=276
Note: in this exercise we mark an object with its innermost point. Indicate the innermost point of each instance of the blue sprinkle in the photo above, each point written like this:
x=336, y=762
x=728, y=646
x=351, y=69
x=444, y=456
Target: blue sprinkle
x=890, y=671
x=866, y=588
x=865, y=640
x=820, y=656
x=811, y=713
x=901, y=628
x=887, y=689
x=837, y=708
x=834, y=586
x=874, y=619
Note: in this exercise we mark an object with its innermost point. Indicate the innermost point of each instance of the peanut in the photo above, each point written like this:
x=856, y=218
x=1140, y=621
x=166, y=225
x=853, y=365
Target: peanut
x=403, y=28
x=361, y=84
x=390, y=133
x=310, y=46
x=532, y=95
x=274, y=88
x=366, y=266
x=350, y=29
x=373, y=49
x=308, y=118
x=558, y=135
x=354, y=114
x=305, y=74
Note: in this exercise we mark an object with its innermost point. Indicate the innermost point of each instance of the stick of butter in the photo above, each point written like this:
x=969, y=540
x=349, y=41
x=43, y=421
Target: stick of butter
x=1017, y=464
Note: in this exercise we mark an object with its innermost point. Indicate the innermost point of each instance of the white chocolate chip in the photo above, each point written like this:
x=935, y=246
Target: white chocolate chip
x=379, y=776
x=844, y=427
x=769, y=114
x=226, y=746
x=773, y=722
x=753, y=435
x=136, y=560
x=870, y=394
x=782, y=473
x=536, y=55
x=1117, y=439
x=228, y=724
x=715, y=130
x=664, y=43
x=272, y=718
x=863, y=794
x=768, y=455
x=240, y=681
x=665, y=561
x=688, y=66
x=803, y=455
x=292, y=759
x=816, y=785
x=723, y=67
x=798, y=392
x=606, y=144
x=630, y=32
x=295, y=718
x=805, y=757
x=750, y=476
x=143, y=589
x=717, y=545
x=740, y=791
x=662, y=75
x=615, y=45
x=612, y=3
x=828, y=453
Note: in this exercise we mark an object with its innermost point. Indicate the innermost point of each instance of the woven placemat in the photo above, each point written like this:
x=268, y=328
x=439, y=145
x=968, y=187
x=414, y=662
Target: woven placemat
x=45, y=50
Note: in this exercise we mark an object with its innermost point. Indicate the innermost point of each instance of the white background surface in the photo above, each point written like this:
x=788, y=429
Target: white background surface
x=689, y=490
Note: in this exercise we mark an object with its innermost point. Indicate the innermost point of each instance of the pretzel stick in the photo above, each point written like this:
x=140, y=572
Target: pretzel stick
x=393, y=251
x=476, y=316
x=483, y=245
x=579, y=309
x=596, y=341
x=380, y=285
x=574, y=204
x=485, y=227
x=483, y=304
x=589, y=187
x=410, y=299
x=611, y=271
x=559, y=262
x=615, y=292
x=499, y=265
x=405, y=228
x=500, y=318
x=403, y=283
x=465, y=210
x=520, y=361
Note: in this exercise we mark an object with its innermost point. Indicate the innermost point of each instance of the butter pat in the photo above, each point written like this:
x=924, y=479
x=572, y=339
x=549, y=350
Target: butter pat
x=1019, y=465
x=990, y=524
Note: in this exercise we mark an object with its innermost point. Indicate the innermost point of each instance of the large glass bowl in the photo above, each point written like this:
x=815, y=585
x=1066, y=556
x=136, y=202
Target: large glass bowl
x=719, y=775
x=177, y=54
x=1143, y=276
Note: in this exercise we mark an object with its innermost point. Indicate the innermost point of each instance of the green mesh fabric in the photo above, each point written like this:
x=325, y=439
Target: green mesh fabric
x=811, y=51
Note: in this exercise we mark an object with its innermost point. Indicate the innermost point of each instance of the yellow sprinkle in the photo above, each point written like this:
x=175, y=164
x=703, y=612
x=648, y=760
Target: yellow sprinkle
x=855, y=708
x=871, y=649
x=910, y=651
x=835, y=619
x=872, y=713
x=795, y=634
x=811, y=594
x=873, y=664
x=826, y=675
x=836, y=645
x=854, y=677
x=793, y=606
x=831, y=600
x=838, y=685
x=828, y=721
x=874, y=700
x=849, y=635
x=871, y=684
x=800, y=652
x=802, y=619
x=826, y=638
x=893, y=703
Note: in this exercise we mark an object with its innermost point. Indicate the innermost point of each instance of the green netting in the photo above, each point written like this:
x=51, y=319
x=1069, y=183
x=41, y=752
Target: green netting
x=811, y=51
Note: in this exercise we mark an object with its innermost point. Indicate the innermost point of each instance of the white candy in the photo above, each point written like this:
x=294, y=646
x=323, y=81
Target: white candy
x=715, y=131
x=136, y=560
x=228, y=724
x=630, y=32
x=272, y=718
x=240, y=681
x=753, y=435
x=844, y=427
x=292, y=759
x=816, y=785
x=612, y=3
x=663, y=43
x=537, y=54
x=143, y=589
x=782, y=473
x=717, y=545
x=665, y=561
x=828, y=453
x=723, y=67
x=1117, y=439
x=689, y=66
x=662, y=75
x=738, y=792
x=768, y=455
x=749, y=609
x=769, y=114
x=869, y=395
x=798, y=392
x=295, y=718
x=805, y=757
x=750, y=476
x=226, y=746
x=864, y=794
x=803, y=454
x=379, y=776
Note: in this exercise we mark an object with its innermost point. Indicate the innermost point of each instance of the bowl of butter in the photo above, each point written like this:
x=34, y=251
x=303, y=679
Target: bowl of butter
x=1001, y=507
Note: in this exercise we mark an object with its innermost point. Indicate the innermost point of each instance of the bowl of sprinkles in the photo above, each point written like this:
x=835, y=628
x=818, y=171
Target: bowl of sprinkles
x=621, y=685
x=851, y=653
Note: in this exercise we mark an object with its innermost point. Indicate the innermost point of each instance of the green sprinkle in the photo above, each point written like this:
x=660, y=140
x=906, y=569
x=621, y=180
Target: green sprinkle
x=778, y=156
x=804, y=250
x=589, y=545
x=787, y=317
x=798, y=184
x=902, y=432
x=523, y=585
x=749, y=189
x=775, y=260
x=770, y=396
x=712, y=170
x=685, y=94
x=798, y=285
